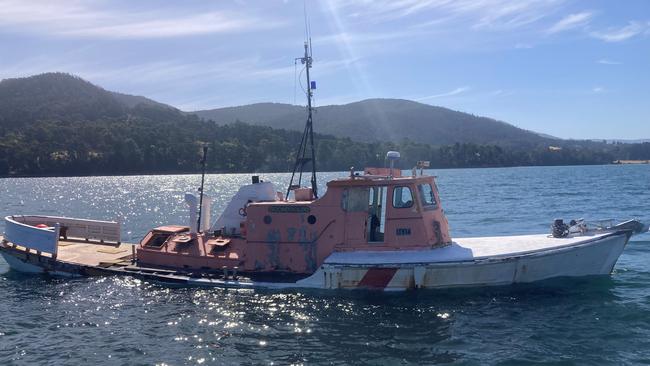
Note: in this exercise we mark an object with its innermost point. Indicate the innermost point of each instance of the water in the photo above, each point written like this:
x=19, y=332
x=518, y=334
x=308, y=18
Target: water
x=124, y=321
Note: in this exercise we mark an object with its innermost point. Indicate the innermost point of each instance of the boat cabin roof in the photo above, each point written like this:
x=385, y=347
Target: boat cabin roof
x=378, y=180
x=171, y=229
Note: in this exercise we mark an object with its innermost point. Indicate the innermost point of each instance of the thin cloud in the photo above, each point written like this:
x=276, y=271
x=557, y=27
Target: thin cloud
x=214, y=22
x=598, y=89
x=498, y=14
x=508, y=15
x=571, y=21
x=450, y=93
x=360, y=37
x=620, y=34
x=604, y=61
x=500, y=93
x=88, y=19
x=523, y=46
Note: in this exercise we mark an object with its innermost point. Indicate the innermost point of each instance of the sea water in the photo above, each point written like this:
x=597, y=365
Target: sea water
x=124, y=321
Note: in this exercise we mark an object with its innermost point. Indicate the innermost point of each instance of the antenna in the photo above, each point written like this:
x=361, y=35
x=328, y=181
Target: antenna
x=308, y=133
x=203, y=162
x=307, y=27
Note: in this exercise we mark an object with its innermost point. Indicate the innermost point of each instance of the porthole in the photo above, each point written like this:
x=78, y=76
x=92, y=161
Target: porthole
x=267, y=219
x=311, y=219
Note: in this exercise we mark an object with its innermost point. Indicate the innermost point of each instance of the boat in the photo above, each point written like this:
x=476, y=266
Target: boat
x=379, y=228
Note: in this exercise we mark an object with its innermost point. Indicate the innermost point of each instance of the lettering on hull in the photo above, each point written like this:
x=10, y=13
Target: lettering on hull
x=403, y=231
x=289, y=209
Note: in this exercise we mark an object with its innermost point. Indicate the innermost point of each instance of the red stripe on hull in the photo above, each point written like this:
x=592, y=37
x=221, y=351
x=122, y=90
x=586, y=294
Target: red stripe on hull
x=377, y=277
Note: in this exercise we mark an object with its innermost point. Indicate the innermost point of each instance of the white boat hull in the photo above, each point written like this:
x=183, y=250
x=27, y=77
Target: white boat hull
x=595, y=257
x=470, y=262
x=20, y=265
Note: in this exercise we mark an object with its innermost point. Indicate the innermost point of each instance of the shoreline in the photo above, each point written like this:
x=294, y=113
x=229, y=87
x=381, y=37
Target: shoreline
x=622, y=162
x=630, y=162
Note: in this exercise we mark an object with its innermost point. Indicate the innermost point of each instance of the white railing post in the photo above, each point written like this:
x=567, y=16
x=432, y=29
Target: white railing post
x=119, y=230
x=57, y=233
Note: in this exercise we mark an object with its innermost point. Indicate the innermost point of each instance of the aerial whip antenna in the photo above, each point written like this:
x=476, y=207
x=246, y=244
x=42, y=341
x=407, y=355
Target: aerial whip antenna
x=305, y=153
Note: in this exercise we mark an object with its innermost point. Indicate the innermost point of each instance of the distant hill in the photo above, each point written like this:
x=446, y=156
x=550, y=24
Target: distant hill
x=54, y=96
x=64, y=97
x=625, y=141
x=131, y=101
x=384, y=120
x=59, y=124
x=266, y=114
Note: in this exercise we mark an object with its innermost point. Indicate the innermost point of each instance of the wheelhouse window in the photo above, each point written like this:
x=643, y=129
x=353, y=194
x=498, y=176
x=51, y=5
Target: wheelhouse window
x=355, y=199
x=402, y=197
x=427, y=197
x=372, y=201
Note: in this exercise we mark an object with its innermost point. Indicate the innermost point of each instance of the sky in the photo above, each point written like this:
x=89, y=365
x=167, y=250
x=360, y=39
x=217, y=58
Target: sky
x=572, y=69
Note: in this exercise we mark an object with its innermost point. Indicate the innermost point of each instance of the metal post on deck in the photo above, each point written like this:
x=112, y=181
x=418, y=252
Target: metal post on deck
x=119, y=230
x=57, y=230
x=203, y=163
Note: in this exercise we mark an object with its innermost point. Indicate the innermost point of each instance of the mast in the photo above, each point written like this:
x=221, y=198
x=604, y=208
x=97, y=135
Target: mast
x=203, y=162
x=306, y=154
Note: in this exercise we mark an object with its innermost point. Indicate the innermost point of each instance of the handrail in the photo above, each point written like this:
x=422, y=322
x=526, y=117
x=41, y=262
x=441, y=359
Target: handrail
x=77, y=228
x=31, y=237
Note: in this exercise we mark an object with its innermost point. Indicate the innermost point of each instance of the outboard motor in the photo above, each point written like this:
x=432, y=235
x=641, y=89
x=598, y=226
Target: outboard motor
x=559, y=229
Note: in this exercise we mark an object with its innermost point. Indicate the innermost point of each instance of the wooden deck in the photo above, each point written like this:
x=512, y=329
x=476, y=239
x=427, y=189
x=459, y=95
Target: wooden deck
x=91, y=253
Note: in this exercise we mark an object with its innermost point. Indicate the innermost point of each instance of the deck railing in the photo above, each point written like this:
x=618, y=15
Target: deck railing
x=31, y=237
x=22, y=230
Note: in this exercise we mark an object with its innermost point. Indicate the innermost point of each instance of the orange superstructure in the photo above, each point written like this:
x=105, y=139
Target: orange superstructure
x=360, y=213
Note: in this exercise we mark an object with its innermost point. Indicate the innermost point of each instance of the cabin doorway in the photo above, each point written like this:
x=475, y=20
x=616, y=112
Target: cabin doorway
x=376, y=214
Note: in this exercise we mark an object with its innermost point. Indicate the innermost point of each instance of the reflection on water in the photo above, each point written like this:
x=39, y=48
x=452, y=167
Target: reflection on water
x=126, y=321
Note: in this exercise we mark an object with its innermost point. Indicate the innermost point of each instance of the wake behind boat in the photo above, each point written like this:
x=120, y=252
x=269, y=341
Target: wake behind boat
x=371, y=229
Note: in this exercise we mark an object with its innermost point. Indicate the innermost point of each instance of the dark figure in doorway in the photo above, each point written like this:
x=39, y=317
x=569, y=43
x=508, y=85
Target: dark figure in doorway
x=374, y=227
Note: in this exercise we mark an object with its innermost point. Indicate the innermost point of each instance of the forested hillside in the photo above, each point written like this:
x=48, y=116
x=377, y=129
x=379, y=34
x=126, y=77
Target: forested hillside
x=385, y=120
x=57, y=124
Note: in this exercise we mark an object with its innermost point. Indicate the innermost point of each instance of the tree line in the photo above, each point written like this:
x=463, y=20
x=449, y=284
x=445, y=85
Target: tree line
x=148, y=141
